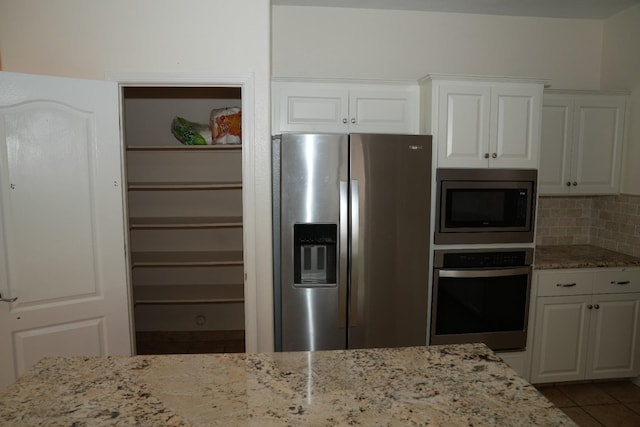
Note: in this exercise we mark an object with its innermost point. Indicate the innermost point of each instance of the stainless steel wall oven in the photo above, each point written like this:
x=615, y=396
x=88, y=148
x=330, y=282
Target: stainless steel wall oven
x=481, y=296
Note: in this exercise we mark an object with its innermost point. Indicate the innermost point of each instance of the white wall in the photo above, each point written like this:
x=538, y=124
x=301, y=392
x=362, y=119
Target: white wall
x=89, y=38
x=367, y=43
x=621, y=70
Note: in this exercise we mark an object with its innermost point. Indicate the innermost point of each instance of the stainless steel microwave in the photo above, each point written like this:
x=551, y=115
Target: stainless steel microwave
x=485, y=206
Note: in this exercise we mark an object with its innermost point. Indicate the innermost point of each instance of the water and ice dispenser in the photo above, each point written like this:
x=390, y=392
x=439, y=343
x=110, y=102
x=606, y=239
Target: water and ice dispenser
x=315, y=259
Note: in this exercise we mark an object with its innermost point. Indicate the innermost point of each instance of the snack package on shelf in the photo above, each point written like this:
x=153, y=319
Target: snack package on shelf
x=190, y=133
x=226, y=125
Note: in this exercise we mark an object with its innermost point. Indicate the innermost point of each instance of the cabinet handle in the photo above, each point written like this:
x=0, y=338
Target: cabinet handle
x=486, y=155
x=353, y=120
x=565, y=285
x=494, y=155
x=624, y=282
x=589, y=306
x=574, y=183
x=568, y=183
x=597, y=306
x=344, y=121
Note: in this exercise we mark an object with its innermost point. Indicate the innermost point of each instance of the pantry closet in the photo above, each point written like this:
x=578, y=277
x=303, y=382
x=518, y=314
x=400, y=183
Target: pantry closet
x=185, y=235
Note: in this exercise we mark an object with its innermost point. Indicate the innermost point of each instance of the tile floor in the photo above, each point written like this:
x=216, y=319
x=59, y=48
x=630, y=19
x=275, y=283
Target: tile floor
x=610, y=403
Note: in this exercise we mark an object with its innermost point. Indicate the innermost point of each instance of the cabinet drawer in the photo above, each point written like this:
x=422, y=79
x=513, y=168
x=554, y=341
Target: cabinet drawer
x=555, y=284
x=616, y=281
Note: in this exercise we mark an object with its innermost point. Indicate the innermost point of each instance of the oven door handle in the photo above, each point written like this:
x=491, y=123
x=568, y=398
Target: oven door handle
x=484, y=273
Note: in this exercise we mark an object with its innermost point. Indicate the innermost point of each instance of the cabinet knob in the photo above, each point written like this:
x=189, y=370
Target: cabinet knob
x=574, y=183
x=568, y=183
x=597, y=306
x=589, y=306
x=345, y=122
x=494, y=155
x=486, y=155
x=353, y=120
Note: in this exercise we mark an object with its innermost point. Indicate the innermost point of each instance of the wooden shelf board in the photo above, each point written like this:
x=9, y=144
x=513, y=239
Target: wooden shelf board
x=186, y=259
x=218, y=147
x=159, y=186
x=188, y=294
x=185, y=222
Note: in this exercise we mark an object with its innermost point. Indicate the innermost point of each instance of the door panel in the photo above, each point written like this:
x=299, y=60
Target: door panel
x=514, y=130
x=390, y=235
x=313, y=177
x=463, y=139
x=62, y=248
x=560, y=341
x=614, y=336
x=85, y=337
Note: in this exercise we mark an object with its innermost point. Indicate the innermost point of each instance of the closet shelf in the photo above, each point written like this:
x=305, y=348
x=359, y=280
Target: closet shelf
x=180, y=186
x=185, y=222
x=188, y=294
x=220, y=147
x=186, y=259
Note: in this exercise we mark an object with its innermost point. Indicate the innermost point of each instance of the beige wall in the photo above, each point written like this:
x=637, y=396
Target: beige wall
x=90, y=38
x=621, y=70
x=367, y=43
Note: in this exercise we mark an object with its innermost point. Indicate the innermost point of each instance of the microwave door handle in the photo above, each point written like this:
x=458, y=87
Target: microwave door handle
x=462, y=274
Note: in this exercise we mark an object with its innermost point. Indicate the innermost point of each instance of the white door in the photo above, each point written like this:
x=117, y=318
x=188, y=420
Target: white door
x=555, y=145
x=393, y=110
x=614, y=336
x=598, y=130
x=515, y=126
x=312, y=108
x=463, y=125
x=61, y=222
x=560, y=341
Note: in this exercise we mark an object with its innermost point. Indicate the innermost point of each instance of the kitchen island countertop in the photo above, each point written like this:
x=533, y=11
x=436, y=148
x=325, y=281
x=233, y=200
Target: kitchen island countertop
x=580, y=256
x=450, y=385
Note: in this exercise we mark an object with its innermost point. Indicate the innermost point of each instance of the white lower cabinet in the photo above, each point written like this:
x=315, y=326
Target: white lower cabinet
x=586, y=325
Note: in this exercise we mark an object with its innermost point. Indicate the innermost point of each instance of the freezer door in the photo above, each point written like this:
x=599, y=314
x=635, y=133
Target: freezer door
x=313, y=247
x=390, y=191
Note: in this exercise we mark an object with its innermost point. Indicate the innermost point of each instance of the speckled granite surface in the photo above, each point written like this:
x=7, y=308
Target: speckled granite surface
x=454, y=385
x=580, y=256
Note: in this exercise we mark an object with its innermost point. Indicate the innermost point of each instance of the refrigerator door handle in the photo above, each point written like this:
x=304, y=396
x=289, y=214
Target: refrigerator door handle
x=355, y=240
x=344, y=254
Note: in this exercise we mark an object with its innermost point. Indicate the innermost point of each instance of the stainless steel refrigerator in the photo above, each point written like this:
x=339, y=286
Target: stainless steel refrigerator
x=351, y=240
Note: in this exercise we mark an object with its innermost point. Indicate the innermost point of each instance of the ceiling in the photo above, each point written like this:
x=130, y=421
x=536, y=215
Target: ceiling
x=574, y=9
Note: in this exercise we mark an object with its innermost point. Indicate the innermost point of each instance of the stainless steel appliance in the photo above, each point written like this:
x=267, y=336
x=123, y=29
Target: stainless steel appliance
x=485, y=206
x=481, y=296
x=351, y=240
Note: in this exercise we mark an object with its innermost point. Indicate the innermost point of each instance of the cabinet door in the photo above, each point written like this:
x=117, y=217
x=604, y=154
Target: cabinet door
x=384, y=111
x=463, y=125
x=515, y=126
x=614, y=340
x=598, y=131
x=560, y=340
x=61, y=222
x=555, y=145
x=311, y=108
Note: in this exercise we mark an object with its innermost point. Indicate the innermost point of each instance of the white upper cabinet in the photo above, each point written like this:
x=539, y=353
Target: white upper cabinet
x=483, y=122
x=581, y=144
x=343, y=107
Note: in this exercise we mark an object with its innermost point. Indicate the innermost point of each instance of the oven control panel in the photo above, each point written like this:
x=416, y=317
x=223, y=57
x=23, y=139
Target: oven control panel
x=483, y=259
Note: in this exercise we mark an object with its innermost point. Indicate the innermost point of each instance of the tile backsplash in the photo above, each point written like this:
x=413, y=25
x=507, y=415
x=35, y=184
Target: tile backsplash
x=610, y=222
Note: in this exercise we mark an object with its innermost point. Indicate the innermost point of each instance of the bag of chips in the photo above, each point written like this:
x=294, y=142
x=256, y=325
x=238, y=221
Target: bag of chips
x=226, y=125
x=190, y=133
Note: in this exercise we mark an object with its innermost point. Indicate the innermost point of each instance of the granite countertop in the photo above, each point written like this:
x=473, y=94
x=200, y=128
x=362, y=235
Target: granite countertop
x=580, y=256
x=452, y=385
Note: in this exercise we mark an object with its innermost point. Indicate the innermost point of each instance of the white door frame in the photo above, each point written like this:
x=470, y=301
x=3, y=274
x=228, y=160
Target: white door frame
x=246, y=82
